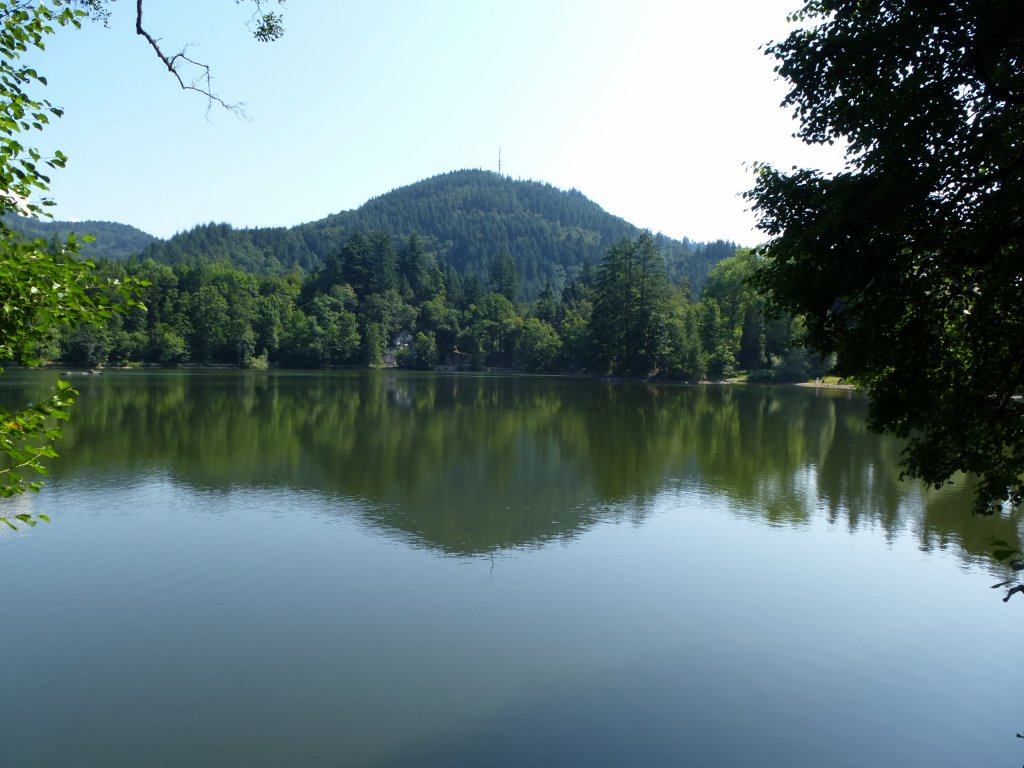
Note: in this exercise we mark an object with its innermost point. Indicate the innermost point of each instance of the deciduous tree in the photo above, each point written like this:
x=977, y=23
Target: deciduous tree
x=909, y=263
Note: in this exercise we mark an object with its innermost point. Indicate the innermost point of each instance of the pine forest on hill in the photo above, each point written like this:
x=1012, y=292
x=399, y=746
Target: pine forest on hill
x=112, y=240
x=467, y=269
x=465, y=218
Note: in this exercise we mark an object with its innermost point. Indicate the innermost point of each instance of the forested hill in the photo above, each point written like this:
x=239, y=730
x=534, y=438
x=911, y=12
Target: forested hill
x=113, y=241
x=467, y=218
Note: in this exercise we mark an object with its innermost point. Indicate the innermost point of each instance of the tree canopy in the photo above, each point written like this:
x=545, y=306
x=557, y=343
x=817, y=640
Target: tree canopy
x=908, y=264
x=469, y=219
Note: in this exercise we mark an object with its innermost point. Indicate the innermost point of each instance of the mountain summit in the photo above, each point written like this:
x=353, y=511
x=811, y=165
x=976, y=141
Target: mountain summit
x=466, y=218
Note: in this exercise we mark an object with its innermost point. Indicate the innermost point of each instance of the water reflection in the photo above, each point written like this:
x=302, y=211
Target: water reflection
x=472, y=465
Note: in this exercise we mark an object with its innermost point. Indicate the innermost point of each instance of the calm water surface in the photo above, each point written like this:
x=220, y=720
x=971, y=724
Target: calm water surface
x=359, y=569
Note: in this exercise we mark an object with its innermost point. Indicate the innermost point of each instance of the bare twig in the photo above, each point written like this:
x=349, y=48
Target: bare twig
x=200, y=84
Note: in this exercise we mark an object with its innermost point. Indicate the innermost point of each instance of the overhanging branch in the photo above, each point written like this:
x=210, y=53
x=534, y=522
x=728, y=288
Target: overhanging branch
x=200, y=84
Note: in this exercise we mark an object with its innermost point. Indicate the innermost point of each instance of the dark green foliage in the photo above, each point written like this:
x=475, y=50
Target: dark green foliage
x=629, y=323
x=545, y=307
x=112, y=241
x=252, y=250
x=539, y=346
x=357, y=267
x=909, y=264
x=87, y=347
x=419, y=276
x=505, y=277
x=465, y=222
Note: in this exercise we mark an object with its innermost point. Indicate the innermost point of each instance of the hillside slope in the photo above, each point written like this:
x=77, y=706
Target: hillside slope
x=113, y=241
x=466, y=218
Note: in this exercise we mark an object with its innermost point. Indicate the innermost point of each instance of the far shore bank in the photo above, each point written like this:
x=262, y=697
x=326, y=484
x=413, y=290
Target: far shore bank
x=819, y=384
x=825, y=385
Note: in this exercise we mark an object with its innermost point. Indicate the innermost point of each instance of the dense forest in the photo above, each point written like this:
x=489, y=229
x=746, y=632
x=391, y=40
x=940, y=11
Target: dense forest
x=465, y=218
x=468, y=269
x=381, y=301
x=112, y=240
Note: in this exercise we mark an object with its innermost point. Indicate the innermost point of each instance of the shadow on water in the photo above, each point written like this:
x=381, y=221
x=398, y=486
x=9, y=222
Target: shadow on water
x=472, y=465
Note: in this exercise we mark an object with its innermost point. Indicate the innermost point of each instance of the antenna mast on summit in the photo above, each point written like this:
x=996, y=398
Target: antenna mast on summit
x=499, y=161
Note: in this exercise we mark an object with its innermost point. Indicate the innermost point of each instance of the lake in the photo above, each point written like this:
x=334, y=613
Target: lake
x=387, y=569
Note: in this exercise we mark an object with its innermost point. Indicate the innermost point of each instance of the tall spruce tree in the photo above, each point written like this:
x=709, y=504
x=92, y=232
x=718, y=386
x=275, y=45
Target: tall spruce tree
x=629, y=322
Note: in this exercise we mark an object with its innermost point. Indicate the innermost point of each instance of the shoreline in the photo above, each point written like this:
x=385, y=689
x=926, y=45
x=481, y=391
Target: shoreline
x=824, y=385
x=71, y=371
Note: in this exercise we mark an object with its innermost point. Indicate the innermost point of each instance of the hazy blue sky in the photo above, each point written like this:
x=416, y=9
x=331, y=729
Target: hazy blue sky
x=653, y=108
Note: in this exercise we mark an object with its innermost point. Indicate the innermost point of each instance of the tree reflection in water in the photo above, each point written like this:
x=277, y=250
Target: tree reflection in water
x=471, y=465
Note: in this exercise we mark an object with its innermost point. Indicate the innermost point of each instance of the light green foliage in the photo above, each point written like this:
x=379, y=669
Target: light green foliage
x=426, y=349
x=338, y=337
x=720, y=340
x=909, y=264
x=374, y=340
x=23, y=27
x=539, y=346
x=166, y=347
x=209, y=317
x=686, y=357
x=26, y=438
x=42, y=286
x=577, y=347
x=322, y=334
x=388, y=311
x=735, y=336
x=441, y=322
x=491, y=330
